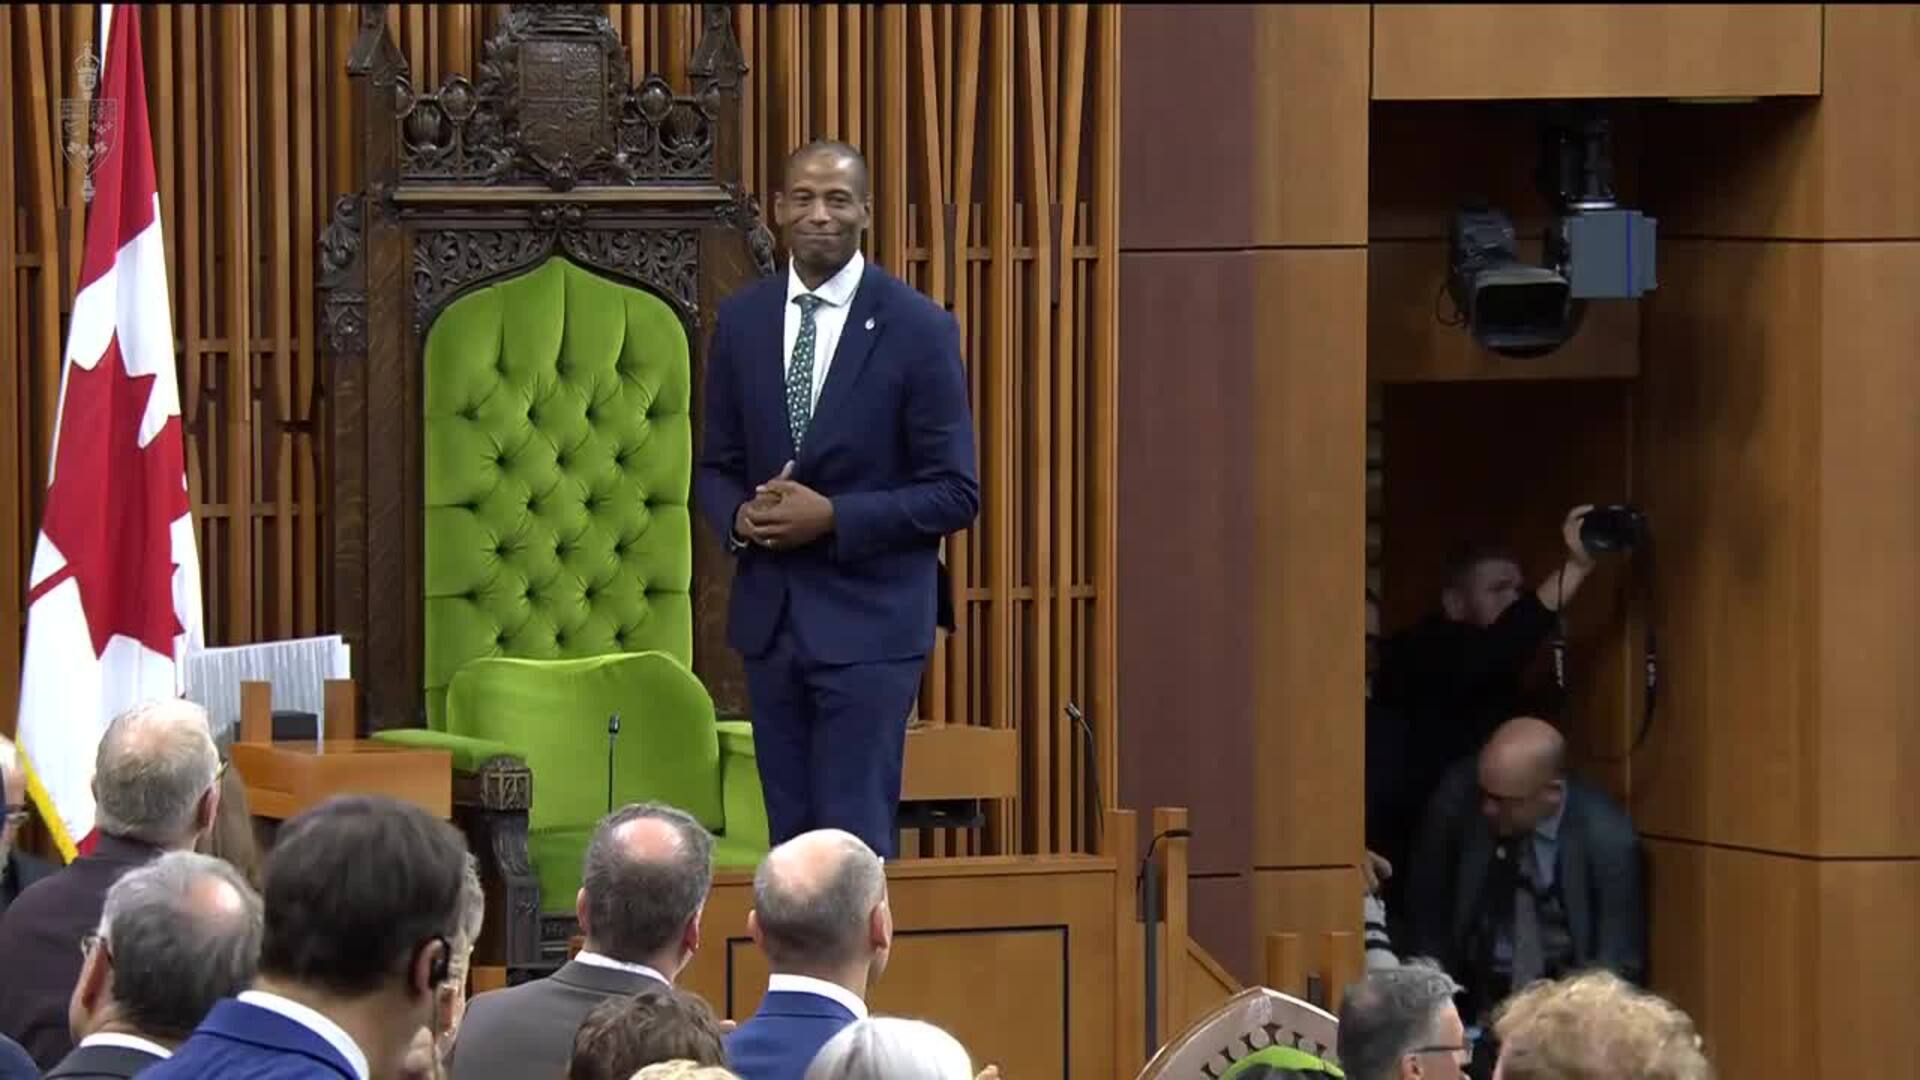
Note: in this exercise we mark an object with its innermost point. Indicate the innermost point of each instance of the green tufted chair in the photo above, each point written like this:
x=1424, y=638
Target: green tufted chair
x=558, y=567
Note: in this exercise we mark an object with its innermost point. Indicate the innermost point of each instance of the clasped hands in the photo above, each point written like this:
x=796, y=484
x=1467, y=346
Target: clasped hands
x=783, y=514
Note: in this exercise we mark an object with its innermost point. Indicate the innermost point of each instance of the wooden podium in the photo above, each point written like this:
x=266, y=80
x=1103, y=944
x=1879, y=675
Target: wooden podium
x=284, y=778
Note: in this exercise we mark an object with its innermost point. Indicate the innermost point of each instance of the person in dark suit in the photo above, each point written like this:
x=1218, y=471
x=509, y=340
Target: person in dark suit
x=176, y=936
x=1523, y=873
x=658, y=1023
x=820, y=915
x=155, y=790
x=362, y=901
x=647, y=872
x=17, y=868
x=838, y=452
x=15, y=1062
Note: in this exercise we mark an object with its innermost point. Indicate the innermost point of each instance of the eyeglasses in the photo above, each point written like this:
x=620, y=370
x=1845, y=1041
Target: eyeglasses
x=1464, y=1053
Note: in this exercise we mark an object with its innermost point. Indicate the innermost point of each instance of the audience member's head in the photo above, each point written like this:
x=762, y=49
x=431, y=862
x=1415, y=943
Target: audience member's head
x=890, y=1048
x=13, y=793
x=1595, y=1026
x=645, y=882
x=363, y=906
x=433, y=1045
x=176, y=936
x=660, y=1023
x=1522, y=775
x=1482, y=581
x=231, y=836
x=683, y=1070
x=154, y=775
x=820, y=909
x=1400, y=1023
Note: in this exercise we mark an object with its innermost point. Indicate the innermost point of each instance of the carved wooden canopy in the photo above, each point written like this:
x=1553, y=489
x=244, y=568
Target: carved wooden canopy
x=551, y=147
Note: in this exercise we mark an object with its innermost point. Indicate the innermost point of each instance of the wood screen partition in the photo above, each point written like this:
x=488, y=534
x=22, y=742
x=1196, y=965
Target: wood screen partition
x=992, y=132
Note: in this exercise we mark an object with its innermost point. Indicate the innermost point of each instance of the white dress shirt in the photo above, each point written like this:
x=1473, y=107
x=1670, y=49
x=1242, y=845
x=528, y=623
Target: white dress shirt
x=829, y=320
x=125, y=1042
x=594, y=959
x=803, y=984
x=315, y=1022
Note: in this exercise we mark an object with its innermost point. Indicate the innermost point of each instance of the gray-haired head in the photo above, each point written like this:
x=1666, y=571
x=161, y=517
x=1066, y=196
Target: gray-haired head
x=647, y=873
x=1391, y=1013
x=813, y=901
x=13, y=791
x=153, y=771
x=473, y=914
x=182, y=932
x=891, y=1048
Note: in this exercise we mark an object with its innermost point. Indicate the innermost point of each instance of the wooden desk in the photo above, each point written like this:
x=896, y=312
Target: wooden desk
x=288, y=777
x=949, y=761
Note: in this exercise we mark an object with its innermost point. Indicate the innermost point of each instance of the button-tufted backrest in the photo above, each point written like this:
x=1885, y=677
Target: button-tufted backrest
x=559, y=457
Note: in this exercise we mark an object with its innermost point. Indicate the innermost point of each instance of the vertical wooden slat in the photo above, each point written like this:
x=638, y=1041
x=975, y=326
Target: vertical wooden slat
x=1066, y=402
x=1105, y=395
x=997, y=401
x=14, y=357
x=237, y=381
x=279, y=192
x=309, y=208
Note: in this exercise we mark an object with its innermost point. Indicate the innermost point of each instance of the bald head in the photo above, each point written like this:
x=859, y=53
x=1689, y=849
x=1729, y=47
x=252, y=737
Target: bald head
x=1521, y=771
x=1526, y=751
x=814, y=899
x=153, y=774
x=647, y=873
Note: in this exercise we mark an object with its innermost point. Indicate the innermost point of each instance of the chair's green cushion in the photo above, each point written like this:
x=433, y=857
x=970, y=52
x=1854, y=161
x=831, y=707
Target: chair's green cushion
x=468, y=753
x=554, y=714
x=558, y=461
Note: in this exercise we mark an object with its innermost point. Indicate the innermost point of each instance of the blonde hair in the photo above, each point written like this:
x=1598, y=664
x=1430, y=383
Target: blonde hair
x=1595, y=1026
x=891, y=1048
x=682, y=1070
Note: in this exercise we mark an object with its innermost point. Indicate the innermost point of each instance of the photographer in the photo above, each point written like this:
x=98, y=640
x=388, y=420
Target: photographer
x=1451, y=678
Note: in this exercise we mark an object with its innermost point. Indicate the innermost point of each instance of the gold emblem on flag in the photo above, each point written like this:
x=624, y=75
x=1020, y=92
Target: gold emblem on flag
x=88, y=121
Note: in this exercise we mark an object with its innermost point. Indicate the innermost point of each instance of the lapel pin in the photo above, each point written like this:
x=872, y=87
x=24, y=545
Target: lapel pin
x=869, y=324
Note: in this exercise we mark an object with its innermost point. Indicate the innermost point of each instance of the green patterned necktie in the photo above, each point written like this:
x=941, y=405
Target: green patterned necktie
x=800, y=370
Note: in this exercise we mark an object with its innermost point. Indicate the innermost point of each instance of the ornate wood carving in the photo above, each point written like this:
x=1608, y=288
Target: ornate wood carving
x=448, y=261
x=554, y=104
x=343, y=281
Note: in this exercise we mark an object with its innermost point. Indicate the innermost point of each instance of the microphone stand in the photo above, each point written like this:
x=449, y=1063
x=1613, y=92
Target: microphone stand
x=613, y=736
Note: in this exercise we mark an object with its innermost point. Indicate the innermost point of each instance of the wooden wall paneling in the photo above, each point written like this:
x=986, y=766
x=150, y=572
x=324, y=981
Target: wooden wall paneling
x=1865, y=948
x=1310, y=76
x=1867, y=519
x=1729, y=406
x=1306, y=481
x=1429, y=51
x=995, y=403
x=1315, y=904
x=1102, y=316
x=14, y=479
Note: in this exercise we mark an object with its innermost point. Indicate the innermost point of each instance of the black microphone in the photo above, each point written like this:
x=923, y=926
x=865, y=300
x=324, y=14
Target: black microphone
x=613, y=736
x=1095, y=824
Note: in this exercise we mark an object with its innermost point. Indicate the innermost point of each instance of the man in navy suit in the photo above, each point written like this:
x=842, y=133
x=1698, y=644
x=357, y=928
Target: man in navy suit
x=838, y=452
x=362, y=898
x=820, y=914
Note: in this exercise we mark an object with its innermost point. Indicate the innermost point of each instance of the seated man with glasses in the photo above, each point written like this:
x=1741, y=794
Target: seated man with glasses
x=1521, y=872
x=17, y=868
x=1400, y=1023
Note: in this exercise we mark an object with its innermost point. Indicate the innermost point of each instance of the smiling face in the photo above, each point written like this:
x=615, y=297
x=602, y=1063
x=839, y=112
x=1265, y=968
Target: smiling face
x=823, y=211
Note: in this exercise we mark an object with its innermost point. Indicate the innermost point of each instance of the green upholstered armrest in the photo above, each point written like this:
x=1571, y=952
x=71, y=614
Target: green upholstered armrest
x=736, y=738
x=469, y=753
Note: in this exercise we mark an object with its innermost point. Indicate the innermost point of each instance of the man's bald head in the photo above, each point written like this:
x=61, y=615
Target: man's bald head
x=814, y=898
x=1521, y=769
x=153, y=774
x=647, y=873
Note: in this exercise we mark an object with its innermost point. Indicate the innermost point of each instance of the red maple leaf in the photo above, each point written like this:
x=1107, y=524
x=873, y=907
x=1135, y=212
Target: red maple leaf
x=112, y=505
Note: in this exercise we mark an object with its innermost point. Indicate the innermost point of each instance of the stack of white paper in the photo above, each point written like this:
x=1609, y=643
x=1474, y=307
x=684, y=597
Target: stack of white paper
x=298, y=671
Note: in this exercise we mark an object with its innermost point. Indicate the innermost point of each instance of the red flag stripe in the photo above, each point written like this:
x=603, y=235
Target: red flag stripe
x=124, y=183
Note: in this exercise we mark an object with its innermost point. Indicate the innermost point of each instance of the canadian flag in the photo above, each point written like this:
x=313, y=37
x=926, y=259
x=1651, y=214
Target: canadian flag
x=113, y=596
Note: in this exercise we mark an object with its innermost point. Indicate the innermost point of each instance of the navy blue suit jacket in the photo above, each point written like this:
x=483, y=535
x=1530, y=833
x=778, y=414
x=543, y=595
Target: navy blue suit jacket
x=245, y=1042
x=890, y=442
x=779, y=1040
